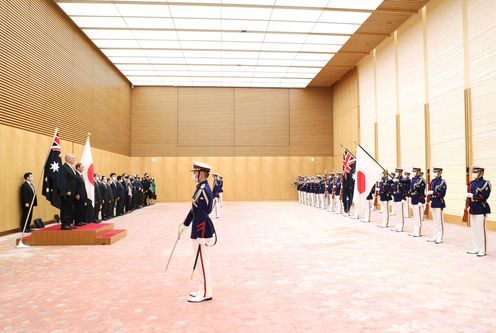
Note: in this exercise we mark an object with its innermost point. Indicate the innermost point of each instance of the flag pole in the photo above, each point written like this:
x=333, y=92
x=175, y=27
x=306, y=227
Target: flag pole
x=21, y=243
x=379, y=164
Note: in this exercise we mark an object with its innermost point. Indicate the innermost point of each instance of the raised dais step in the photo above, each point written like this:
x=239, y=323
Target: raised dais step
x=111, y=237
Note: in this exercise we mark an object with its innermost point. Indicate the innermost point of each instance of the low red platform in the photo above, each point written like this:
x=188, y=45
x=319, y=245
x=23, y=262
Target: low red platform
x=90, y=234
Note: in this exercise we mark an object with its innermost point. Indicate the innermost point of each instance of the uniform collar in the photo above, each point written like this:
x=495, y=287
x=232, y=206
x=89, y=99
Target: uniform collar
x=200, y=184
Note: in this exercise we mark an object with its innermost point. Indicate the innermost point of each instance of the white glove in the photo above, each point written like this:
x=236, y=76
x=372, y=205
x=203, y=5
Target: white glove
x=395, y=180
x=469, y=195
x=430, y=192
x=180, y=228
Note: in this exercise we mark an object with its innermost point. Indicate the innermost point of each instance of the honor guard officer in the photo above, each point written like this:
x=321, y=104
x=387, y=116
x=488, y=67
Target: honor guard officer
x=417, y=192
x=398, y=199
x=480, y=190
x=202, y=231
x=437, y=193
x=385, y=187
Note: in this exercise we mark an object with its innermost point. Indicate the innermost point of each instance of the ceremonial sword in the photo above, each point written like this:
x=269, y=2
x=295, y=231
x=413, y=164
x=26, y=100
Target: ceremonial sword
x=170, y=257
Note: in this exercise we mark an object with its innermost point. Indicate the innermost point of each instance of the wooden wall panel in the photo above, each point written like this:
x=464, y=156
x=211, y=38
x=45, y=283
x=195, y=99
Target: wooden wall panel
x=345, y=116
x=29, y=154
x=261, y=117
x=412, y=97
x=231, y=122
x=386, y=103
x=366, y=74
x=154, y=121
x=482, y=52
x=446, y=84
x=311, y=121
x=245, y=177
x=206, y=117
x=52, y=73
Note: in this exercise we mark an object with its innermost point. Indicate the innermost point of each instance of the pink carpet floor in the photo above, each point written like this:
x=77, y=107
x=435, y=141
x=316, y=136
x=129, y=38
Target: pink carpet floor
x=278, y=267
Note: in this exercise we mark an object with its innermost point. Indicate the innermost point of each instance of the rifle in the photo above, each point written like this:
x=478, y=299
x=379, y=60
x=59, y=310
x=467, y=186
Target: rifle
x=428, y=200
x=467, y=201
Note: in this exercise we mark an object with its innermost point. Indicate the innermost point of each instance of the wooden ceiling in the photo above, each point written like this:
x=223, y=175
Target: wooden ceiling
x=380, y=25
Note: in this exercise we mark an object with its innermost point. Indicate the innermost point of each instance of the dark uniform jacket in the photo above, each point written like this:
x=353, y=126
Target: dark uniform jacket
x=198, y=215
x=481, y=189
x=438, y=188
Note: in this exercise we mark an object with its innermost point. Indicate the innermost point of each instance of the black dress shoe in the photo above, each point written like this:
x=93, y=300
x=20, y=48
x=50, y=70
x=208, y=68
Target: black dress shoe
x=66, y=227
x=28, y=230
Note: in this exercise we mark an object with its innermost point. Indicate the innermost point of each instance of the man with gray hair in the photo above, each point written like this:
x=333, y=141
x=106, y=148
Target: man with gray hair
x=68, y=192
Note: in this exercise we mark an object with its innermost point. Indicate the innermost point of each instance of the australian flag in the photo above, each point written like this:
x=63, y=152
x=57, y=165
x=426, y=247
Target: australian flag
x=349, y=167
x=52, y=176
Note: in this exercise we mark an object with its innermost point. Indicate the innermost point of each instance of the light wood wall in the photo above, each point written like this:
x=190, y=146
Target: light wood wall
x=25, y=151
x=245, y=177
x=231, y=122
x=345, y=116
x=426, y=65
x=52, y=75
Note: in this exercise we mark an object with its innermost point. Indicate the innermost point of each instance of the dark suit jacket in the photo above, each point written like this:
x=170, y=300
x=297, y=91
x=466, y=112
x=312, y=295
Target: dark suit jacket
x=113, y=187
x=98, y=193
x=121, y=190
x=70, y=179
x=80, y=188
x=27, y=195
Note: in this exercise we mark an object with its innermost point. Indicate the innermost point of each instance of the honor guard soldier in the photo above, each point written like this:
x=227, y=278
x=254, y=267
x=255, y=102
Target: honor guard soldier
x=337, y=193
x=385, y=187
x=320, y=192
x=408, y=184
x=221, y=191
x=215, y=193
x=314, y=191
x=202, y=231
x=330, y=186
x=368, y=208
x=417, y=192
x=437, y=194
x=399, y=199
x=480, y=190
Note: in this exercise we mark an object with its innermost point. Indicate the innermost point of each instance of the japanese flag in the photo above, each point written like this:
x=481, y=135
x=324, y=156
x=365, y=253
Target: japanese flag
x=88, y=173
x=368, y=172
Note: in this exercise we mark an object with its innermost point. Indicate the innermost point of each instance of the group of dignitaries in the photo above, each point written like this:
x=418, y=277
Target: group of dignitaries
x=114, y=196
x=402, y=191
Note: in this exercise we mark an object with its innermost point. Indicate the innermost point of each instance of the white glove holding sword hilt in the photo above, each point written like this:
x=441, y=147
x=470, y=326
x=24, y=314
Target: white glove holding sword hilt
x=180, y=229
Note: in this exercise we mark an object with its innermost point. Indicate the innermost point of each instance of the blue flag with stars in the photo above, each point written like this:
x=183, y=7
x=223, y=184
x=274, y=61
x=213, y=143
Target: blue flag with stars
x=52, y=176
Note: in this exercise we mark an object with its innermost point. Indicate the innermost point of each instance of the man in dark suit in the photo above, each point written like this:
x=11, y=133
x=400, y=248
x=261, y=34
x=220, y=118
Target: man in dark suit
x=121, y=192
x=146, y=189
x=106, y=196
x=81, y=197
x=98, y=199
x=115, y=192
x=28, y=193
x=111, y=201
x=67, y=202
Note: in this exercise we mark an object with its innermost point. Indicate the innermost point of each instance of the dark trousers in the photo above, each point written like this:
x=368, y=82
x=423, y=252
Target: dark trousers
x=120, y=206
x=24, y=216
x=67, y=211
x=109, y=209
x=98, y=207
x=79, y=211
x=128, y=203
